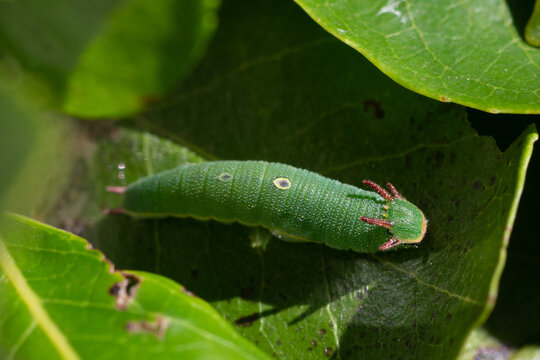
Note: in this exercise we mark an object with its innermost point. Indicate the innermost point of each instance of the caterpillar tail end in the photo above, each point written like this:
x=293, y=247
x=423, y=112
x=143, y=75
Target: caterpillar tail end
x=116, y=189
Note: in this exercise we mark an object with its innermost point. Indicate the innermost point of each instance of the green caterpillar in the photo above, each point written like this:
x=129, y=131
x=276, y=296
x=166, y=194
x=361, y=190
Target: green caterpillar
x=294, y=204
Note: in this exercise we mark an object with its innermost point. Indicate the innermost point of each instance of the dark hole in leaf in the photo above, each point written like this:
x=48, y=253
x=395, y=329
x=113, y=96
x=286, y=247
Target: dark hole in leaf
x=125, y=290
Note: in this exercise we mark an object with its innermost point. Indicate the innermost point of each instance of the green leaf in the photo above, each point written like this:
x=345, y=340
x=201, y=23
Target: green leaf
x=532, y=31
x=106, y=58
x=16, y=135
x=483, y=345
x=527, y=353
x=62, y=300
x=37, y=152
x=470, y=54
x=42, y=177
x=511, y=322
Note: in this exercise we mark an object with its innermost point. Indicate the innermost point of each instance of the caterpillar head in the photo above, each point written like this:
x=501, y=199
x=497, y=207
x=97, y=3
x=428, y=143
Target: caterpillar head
x=405, y=222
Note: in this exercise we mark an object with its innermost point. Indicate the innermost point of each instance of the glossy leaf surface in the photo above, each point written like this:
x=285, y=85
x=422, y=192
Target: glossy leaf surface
x=470, y=53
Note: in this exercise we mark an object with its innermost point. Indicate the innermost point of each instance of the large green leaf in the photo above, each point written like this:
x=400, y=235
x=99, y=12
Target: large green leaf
x=303, y=98
x=465, y=52
x=106, y=58
x=514, y=323
x=62, y=300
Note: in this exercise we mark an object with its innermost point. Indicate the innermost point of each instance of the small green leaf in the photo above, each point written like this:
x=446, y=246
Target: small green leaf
x=467, y=53
x=106, y=58
x=62, y=300
x=532, y=30
x=481, y=344
x=527, y=353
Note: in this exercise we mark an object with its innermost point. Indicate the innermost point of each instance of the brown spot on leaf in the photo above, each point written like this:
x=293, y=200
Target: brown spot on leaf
x=187, y=292
x=246, y=321
x=148, y=100
x=157, y=327
x=110, y=264
x=376, y=106
x=438, y=157
x=328, y=351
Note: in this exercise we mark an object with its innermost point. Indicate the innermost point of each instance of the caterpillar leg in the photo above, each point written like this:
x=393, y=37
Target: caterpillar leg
x=389, y=244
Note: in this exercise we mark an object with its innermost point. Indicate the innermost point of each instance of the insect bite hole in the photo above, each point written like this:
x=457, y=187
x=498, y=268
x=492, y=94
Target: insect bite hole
x=157, y=327
x=125, y=290
x=282, y=183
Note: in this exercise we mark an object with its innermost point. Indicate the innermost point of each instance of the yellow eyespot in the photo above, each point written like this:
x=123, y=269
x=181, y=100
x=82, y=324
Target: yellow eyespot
x=282, y=183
